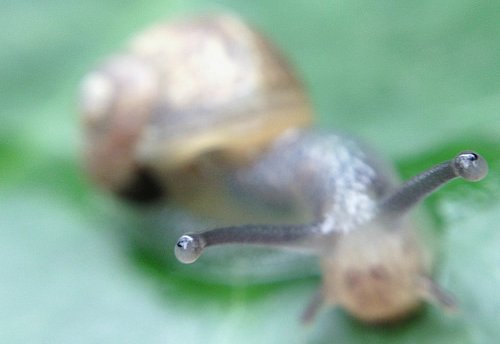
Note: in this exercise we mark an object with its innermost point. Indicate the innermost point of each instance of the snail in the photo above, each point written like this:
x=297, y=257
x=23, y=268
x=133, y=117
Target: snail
x=206, y=112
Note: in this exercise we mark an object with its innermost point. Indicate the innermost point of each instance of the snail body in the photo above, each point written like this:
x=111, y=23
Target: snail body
x=207, y=111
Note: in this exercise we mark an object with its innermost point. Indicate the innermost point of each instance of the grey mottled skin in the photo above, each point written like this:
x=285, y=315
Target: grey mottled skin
x=292, y=173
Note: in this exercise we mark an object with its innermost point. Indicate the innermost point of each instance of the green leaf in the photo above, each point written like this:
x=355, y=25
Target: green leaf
x=417, y=79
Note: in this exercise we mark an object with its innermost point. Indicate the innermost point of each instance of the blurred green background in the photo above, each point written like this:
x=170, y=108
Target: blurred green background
x=419, y=79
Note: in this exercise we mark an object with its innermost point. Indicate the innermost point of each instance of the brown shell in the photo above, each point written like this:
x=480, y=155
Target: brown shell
x=181, y=90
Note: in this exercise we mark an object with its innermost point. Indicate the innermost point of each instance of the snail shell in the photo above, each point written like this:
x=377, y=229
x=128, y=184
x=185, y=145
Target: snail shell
x=184, y=90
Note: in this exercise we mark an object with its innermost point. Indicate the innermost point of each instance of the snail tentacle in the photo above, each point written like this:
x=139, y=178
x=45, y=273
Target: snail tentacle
x=189, y=247
x=467, y=165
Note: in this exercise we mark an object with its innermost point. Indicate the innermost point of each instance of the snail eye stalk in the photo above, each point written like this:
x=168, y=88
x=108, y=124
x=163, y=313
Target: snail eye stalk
x=467, y=165
x=189, y=247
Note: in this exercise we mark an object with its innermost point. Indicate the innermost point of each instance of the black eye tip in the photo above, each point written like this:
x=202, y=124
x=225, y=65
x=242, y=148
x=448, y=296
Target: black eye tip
x=188, y=249
x=469, y=155
x=470, y=166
